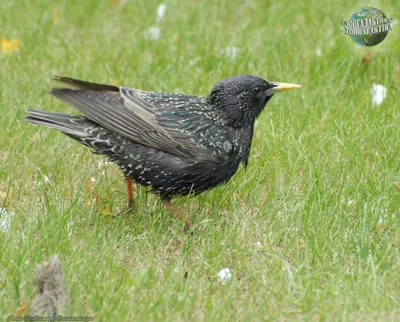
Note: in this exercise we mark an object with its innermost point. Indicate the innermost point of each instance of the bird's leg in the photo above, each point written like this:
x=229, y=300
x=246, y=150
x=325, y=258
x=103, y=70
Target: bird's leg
x=131, y=199
x=167, y=203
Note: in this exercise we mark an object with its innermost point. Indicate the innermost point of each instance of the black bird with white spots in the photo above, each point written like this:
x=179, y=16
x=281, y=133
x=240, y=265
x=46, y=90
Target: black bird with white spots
x=177, y=144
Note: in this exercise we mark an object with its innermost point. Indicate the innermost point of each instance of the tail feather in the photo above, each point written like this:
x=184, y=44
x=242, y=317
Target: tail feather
x=68, y=124
x=78, y=84
x=85, y=131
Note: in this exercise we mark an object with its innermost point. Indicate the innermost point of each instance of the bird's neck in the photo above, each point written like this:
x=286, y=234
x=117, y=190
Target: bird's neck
x=242, y=139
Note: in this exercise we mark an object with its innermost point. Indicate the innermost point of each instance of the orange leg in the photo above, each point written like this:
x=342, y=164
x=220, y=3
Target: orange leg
x=176, y=212
x=130, y=193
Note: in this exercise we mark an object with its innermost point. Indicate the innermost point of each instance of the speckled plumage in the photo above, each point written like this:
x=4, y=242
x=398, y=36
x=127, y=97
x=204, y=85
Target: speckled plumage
x=176, y=144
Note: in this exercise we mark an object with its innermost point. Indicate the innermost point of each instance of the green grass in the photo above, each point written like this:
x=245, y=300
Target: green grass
x=294, y=228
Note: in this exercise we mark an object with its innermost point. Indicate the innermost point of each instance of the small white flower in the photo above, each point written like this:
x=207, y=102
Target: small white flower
x=318, y=52
x=257, y=244
x=231, y=52
x=378, y=93
x=350, y=202
x=161, y=12
x=46, y=178
x=224, y=275
x=93, y=179
x=5, y=220
x=153, y=33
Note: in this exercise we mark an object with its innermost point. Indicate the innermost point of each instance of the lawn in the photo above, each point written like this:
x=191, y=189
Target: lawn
x=298, y=229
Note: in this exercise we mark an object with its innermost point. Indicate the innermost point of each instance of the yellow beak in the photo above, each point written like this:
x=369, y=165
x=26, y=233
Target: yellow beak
x=282, y=87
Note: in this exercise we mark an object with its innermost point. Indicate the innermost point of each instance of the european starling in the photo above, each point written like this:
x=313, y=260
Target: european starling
x=174, y=143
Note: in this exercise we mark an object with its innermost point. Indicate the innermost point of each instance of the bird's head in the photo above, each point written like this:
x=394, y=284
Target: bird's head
x=240, y=99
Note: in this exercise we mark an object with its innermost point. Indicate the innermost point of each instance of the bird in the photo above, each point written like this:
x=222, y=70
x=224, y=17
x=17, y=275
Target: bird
x=174, y=143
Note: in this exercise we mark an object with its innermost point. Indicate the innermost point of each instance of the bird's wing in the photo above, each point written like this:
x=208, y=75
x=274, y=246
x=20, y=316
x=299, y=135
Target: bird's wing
x=176, y=123
x=189, y=120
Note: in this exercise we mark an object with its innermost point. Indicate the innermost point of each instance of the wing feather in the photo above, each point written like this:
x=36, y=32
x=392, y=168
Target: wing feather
x=175, y=123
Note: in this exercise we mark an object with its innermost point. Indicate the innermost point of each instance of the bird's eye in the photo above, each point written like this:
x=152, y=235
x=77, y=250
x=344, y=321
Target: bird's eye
x=256, y=90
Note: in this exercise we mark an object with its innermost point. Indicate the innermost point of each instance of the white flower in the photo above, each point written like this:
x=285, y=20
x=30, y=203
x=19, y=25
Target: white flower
x=257, y=244
x=161, y=12
x=5, y=220
x=318, y=52
x=224, y=275
x=231, y=52
x=46, y=178
x=153, y=33
x=378, y=93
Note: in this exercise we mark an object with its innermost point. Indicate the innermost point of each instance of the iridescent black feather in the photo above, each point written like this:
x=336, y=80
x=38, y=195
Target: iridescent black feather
x=177, y=144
